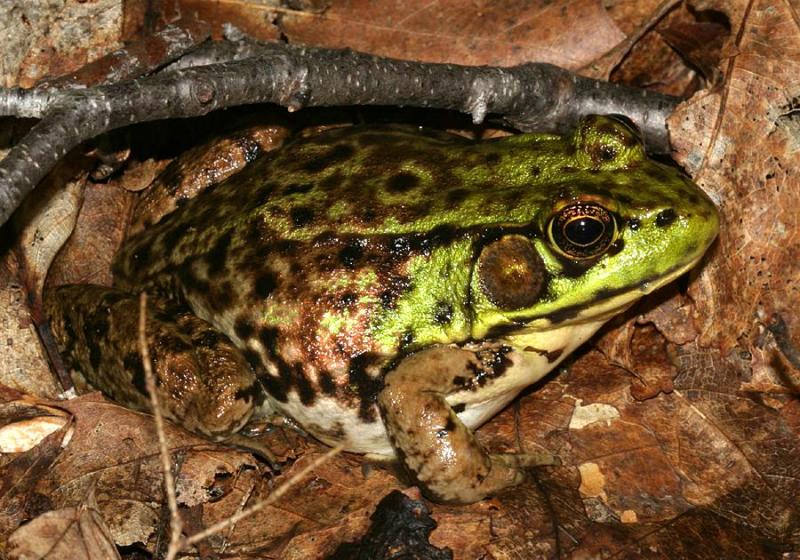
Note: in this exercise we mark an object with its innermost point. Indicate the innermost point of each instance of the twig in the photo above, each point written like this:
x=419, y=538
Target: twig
x=780, y=332
x=528, y=96
x=138, y=58
x=176, y=525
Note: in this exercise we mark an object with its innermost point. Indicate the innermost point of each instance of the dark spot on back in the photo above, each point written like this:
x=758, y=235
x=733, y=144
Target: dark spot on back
x=253, y=358
x=459, y=408
x=243, y=329
x=304, y=388
x=332, y=181
x=301, y=215
x=298, y=188
x=388, y=299
x=337, y=154
x=443, y=234
x=265, y=284
x=457, y=196
x=256, y=232
x=659, y=174
x=665, y=217
x=693, y=198
x=220, y=296
x=493, y=158
x=217, y=256
x=551, y=356
x=133, y=364
x=691, y=249
x=269, y=338
x=171, y=238
x=263, y=195
x=368, y=215
x=348, y=299
x=443, y=313
x=536, y=171
x=402, y=182
x=286, y=247
x=634, y=224
x=351, y=254
x=511, y=199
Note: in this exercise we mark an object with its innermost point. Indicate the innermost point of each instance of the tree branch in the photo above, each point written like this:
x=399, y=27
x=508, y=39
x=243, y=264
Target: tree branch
x=529, y=97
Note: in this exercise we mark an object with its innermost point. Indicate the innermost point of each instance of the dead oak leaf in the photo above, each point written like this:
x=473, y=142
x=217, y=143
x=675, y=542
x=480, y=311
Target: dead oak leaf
x=569, y=33
x=77, y=533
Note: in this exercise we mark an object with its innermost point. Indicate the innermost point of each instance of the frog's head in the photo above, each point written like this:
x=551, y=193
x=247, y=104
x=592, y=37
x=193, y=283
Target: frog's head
x=614, y=227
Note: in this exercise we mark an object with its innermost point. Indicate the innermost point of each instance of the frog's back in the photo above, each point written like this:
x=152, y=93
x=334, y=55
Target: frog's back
x=327, y=259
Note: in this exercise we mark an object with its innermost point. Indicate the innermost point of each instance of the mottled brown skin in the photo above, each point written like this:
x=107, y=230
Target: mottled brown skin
x=97, y=327
x=375, y=277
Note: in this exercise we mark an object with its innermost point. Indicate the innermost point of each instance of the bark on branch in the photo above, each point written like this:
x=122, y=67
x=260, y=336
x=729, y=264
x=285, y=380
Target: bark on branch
x=529, y=97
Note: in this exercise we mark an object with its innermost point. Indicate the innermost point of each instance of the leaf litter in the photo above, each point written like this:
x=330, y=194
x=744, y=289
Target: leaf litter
x=687, y=443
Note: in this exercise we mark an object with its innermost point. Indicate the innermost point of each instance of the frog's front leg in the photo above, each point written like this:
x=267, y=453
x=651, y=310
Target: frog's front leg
x=430, y=439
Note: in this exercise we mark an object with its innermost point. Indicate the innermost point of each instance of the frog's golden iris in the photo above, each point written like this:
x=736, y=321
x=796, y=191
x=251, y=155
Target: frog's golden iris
x=388, y=287
x=582, y=230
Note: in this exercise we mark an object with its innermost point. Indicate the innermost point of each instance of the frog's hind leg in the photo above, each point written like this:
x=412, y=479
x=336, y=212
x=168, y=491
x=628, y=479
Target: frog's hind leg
x=430, y=439
x=204, y=383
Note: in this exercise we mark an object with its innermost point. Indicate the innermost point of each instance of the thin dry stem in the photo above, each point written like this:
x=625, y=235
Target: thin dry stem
x=176, y=525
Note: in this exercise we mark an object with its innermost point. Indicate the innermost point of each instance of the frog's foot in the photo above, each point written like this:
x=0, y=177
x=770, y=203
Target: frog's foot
x=204, y=383
x=432, y=442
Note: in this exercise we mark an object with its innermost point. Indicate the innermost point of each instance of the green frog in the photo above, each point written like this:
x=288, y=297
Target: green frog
x=390, y=288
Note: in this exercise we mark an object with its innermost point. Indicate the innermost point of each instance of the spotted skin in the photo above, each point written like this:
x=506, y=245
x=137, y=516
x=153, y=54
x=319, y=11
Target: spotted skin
x=337, y=261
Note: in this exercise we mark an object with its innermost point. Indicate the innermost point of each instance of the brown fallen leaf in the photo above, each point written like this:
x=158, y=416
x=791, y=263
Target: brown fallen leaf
x=77, y=533
x=31, y=436
x=569, y=34
x=53, y=39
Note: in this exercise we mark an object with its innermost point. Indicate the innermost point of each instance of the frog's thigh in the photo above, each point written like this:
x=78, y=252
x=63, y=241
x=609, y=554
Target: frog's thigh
x=204, y=383
x=433, y=443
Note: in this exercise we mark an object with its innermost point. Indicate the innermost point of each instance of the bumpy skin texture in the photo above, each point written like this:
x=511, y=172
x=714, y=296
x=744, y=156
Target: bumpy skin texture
x=329, y=261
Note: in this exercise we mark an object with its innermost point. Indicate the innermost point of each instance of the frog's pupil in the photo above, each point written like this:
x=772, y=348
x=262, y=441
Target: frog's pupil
x=584, y=230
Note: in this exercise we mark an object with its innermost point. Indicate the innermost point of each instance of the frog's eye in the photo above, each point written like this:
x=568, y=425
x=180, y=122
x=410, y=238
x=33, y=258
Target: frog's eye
x=583, y=230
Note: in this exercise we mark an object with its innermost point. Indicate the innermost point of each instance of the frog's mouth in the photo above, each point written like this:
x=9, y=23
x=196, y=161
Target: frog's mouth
x=608, y=303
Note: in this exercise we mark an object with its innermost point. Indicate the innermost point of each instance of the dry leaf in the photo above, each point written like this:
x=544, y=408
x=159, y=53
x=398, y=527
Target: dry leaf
x=77, y=533
x=49, y=39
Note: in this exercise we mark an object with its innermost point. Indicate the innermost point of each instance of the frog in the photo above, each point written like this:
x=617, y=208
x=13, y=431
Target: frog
x=390, y=288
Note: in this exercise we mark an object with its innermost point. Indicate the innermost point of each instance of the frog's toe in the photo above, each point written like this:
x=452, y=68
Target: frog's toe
x=527, y=459
x=255, y=447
